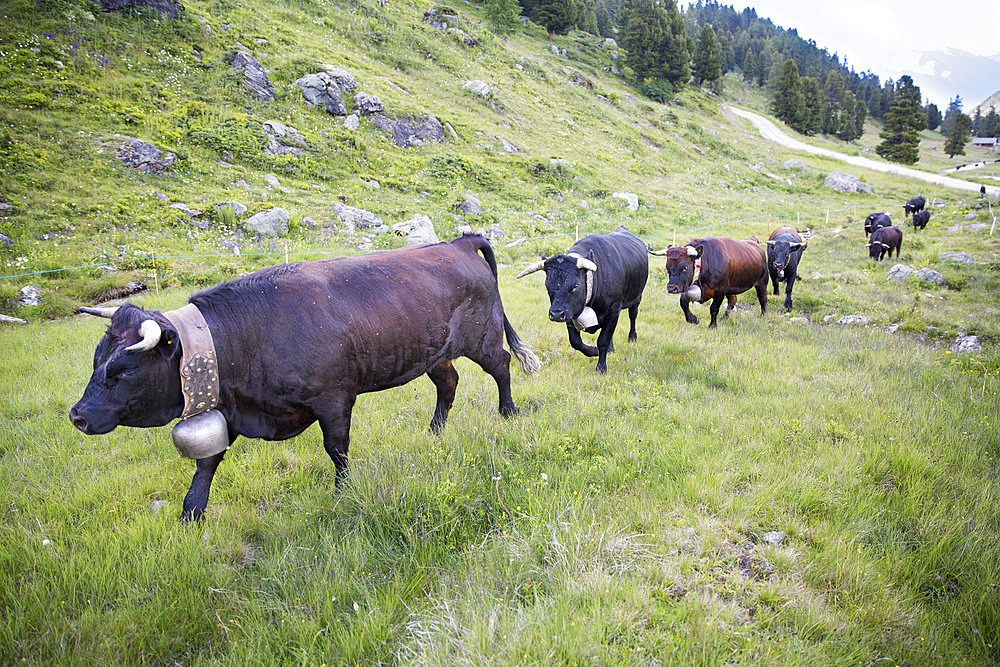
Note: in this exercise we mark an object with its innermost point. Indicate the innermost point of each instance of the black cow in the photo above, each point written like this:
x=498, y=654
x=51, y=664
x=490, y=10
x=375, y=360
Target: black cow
x=913, y=206
x=921, y=219
x=728, y=267
x=883, y=240
x=296, y=343
x=589, y=286
x=784, y=250
x=876, y=220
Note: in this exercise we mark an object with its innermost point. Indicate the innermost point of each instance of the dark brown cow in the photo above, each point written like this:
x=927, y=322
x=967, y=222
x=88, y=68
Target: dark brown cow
x=885, y=240
x=728, y=267
x=297, y=343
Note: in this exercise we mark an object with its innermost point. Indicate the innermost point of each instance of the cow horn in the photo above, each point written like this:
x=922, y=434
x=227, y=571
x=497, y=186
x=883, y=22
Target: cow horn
x=769, y=242
x=692, y=251
x=885, y=245
x=150, y=332
x=658, y=253
x=99, y=312
x=538, y=266
x=583, y=263
x=794, y=246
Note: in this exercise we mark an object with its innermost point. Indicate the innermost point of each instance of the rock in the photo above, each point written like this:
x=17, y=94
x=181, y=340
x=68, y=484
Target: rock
x=29, y=295
x=272, y=222
x=494, y=233
x=373, y=183
x=357, y=218
x=828, y=318
x=478, y=87
x=846, y=183
x=368, y=104
x=188, y=212
x=255, y=81
x=419, y=231
x=971, y=216
x=243, y=184
x=439, y=20
x=157, y=505
x=799, y=320
x=773, y=537
x=273, y=182
x=508, y=147
x=345, y=80
x=169, y=8
x=960, y=257
x=900, y=272
x=122, y=291
x=463, y=228
x=322, y=90
x=797, y=164
x=817, y=276
x=853, y=319
x=6, y=240
x=964, y=343
x=930, y=276
x=309, y=222
x=283, y=139
x=470, y=205
x=5, y=208
x=236, y=207
x=978, y=227
x=607, y=41
x=408, y=132
x=7, y=319
x=630, y=198
x=144, y=156
x=352, y=122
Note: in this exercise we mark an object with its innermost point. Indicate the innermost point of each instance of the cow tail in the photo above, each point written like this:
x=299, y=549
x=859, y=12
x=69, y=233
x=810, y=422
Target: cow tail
x=525, y=358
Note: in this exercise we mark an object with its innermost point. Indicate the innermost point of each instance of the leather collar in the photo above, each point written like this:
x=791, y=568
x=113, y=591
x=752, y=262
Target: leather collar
x=199, y=365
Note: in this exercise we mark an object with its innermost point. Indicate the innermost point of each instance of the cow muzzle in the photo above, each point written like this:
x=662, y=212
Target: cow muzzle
x=87, y=426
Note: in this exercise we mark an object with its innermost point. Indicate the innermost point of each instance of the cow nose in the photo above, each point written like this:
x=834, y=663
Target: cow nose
x=78, y=420
x=557, y=315
x=673, y=289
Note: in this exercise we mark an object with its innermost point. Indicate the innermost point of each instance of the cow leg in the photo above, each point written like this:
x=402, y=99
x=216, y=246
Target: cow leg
x=497, y=366
x=774, y=280
x=688, y=315
x=714, y=308
x=606, y=339
x=762, y=294
x=730, y=305
x=197, y=496
x=445, y=378
x=335, y=421
x=788, y=290
x=633, y=312
x=576, y=342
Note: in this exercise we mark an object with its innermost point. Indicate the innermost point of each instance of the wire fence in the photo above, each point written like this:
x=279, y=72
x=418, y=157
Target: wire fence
x=286, y=253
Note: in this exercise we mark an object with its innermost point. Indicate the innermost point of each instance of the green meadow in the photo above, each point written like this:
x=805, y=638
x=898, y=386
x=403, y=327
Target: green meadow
x=629, y=518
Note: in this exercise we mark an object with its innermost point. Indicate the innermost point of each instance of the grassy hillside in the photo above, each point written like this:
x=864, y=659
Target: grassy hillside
x=617, y=519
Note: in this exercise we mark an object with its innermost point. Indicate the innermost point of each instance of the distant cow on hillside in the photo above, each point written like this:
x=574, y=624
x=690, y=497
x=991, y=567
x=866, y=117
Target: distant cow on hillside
x=885, y=239
x=876, y=220
x=921, y=219
x=913, y=206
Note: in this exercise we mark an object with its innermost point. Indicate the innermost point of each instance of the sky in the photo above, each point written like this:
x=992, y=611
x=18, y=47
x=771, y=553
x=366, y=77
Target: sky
x=948, y=47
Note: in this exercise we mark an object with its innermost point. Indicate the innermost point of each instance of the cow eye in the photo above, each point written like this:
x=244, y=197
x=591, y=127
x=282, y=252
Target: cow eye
x=127, y=371
x=573, y=288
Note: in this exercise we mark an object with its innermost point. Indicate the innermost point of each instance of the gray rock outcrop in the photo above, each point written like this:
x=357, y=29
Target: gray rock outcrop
x=965, y=343
x=409, y=132
x=29, y=295
x=344, y=79
x=366, y=104
x=930, y=276
x=846, y=183
x=853, y=319
x=357, y=218
x=144, y=156
x=7, y=319
x=236, y=207
x=283, y=139
x=352, y=122
x=255, y=81
x=960, y=257
x=899, y=272
x=322, y=90
x=418, y=231
x=630, y=198
x=272, y=222
x=478, y=87
x=470, y=205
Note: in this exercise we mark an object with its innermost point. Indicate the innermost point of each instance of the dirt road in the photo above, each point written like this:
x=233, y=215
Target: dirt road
x=773, y=133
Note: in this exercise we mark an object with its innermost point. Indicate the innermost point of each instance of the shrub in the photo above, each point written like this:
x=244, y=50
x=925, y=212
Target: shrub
x=658, y=90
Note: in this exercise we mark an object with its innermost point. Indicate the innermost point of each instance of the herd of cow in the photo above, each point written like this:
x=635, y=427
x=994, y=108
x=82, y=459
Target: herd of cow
x=268, y=354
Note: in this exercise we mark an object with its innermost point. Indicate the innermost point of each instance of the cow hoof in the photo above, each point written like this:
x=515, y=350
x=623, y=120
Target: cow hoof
x=191, y=516
x=633, y=338
x=693, y=319
x=602, y=369
x=509, y=411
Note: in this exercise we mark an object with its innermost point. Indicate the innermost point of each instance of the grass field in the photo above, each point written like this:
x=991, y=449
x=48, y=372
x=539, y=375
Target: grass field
x=623, y=519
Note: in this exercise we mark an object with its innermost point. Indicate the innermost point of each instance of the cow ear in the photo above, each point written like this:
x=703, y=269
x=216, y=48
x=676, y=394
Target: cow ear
x=169, y=345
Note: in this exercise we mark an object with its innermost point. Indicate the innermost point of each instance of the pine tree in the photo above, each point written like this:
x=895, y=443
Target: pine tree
x=811, y=121
x=789, y=105
x=848, y=126
x=749, y=67
x=676, y=52
x=502, y=16
x=959, y=135
x=556, y=16
x=586, y=16
x=933, y=116
x=954, y=108
x=707, y=56
x=644, y=24
x=901, y=134
x=991, y=124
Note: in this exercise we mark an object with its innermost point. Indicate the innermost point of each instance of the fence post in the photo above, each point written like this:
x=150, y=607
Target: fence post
x=286, y=253
x=798, y=220
x=827, y=217
x=156, y=274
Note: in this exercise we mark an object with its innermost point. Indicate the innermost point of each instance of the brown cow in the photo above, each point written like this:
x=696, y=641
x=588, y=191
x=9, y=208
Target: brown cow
x=728, y=267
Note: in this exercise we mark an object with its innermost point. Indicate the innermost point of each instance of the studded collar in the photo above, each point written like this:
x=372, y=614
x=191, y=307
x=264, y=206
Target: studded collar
x=199, y=366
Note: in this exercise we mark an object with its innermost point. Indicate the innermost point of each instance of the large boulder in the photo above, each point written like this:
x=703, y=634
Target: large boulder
x=29, y=296
x=846, y=183
x=345, y=80
x=900, y=272
x=283, y=139
x=357, y=218
x=630, y=198
x=966, y=343
x=470, y=205
x=960, y=257
x=930, y=276
x=478, y=87
x=322, y=90
x=144, y=156
x=255, y=81
x=169, y=8
x=272, y=222
x=408, y=132
x=236, y=207
x=418, y=231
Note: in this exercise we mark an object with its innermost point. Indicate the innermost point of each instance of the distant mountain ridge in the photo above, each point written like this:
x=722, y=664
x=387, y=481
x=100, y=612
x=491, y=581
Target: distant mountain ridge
x=984, y=106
